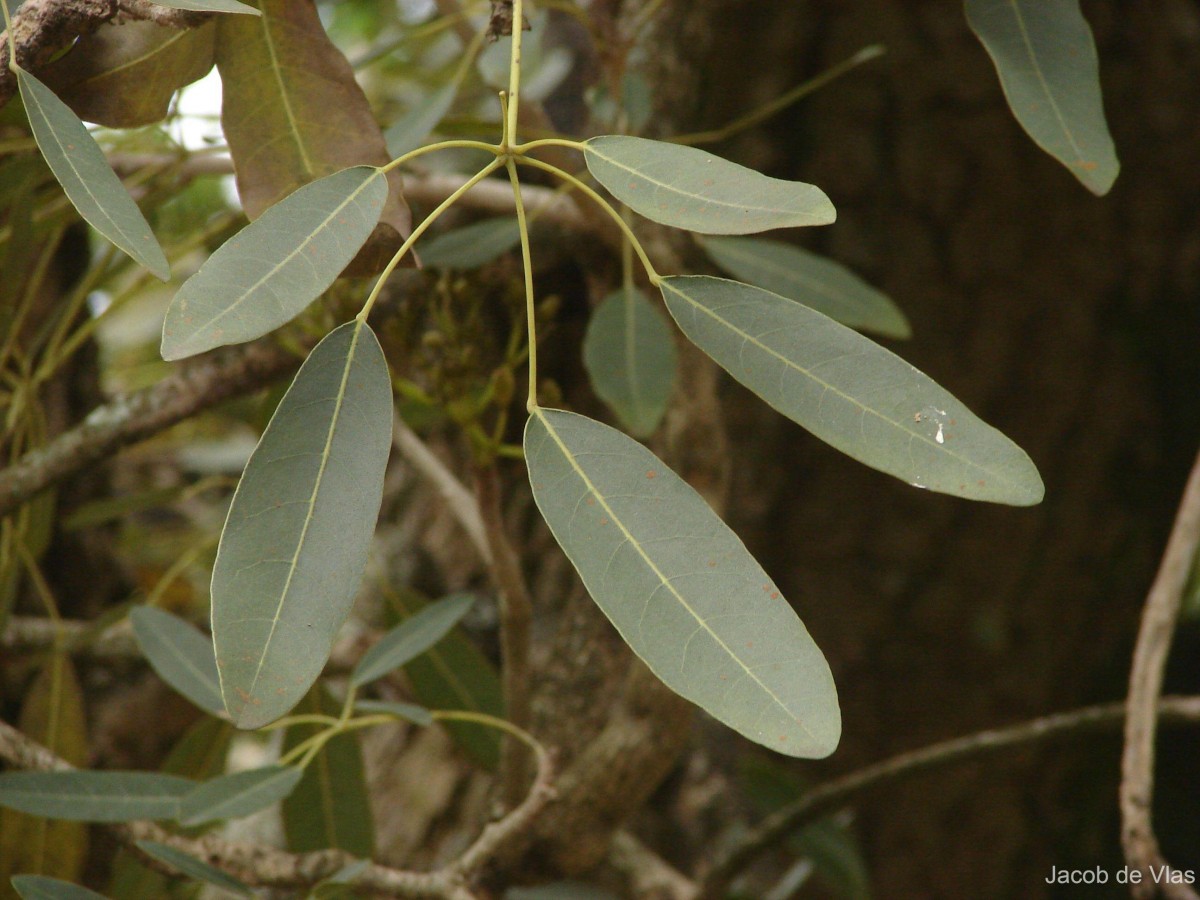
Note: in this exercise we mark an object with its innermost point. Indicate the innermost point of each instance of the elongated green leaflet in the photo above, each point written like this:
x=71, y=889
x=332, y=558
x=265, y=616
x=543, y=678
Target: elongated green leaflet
x=629, y=355
x=89, y=183
x=689, y=188
x=820, y=283
x=41, y=887
x=411, y=638
x=410, y=712
x=679, y=586
x=850, y=392
x=296, y=539
x=194, y=868
x=237, y=795
x=268, y=272
x=83, y=796
x=1046, y=59
x=180, y=654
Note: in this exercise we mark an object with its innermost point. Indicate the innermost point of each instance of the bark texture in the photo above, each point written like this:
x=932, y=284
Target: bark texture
x=1067, y=321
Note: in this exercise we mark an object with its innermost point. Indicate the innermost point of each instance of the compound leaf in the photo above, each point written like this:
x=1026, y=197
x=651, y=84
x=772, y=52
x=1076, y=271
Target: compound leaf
x=1046, y=59
x=91, y=186
x=679, y=586
x=411, y=638
x=239, y=794
x=300, y=525
x=629, y=355
x=83, y=796
x=181, y=655
x=267, y=273
x=819, y=283
x=689, y=188
x=850, y=392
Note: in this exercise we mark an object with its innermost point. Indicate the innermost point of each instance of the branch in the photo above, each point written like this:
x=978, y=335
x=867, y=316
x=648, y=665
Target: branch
x=456, y=497
x=648, y=873
x=516, y=615
x=196, y=386
x=268, y=867
x=1145, y=685
x=822, y=799
x=43, y=28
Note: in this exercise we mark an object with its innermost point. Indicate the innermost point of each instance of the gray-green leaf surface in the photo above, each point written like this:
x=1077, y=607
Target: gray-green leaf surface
x=689, y=188
x=629, y=355
x=680, y=587
x=411, y=638
x=410, y=130
x=180, y=654
x=237, y=795
x=1046, y=59
x=85, y=796
x=850, y=392
x=299, y=528
x=91, y=186
x=268, y=272
x=826, y=286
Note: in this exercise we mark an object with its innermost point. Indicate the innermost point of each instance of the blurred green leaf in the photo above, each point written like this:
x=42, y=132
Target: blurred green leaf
x=454, y=674
x=411, y=638
x=629, y=354
x=1046, y=59
x=85, y=796
x=472, y=245
x=410, y=130
x=238, y=794
x=689, y=188
x=91, y=186
x=194, y=868
x=53, y=715
x=181, y=654
x=818, y=283
x=266, y=274
x=330, y=806
x=680, y=587
x=850, y=392
x=39, y=887
x=295, y=542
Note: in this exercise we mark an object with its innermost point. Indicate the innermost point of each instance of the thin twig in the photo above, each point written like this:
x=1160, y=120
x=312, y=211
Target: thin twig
x=268, y=867
x=457, y=498
x=649, y=875
x=828, y=796
x=516, y=615
x=163, y=15
x=207, y=381
x=1159, y=616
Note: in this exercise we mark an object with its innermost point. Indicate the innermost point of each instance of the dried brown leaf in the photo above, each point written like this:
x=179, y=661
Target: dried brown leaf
x=292, y=113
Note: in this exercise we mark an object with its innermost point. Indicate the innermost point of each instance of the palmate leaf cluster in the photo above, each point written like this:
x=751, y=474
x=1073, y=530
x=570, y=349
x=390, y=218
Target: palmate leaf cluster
x=675, y=581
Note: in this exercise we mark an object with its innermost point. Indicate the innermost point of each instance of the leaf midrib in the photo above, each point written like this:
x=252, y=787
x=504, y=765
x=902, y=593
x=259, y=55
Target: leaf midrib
x=312, y=502
x=570, y=457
